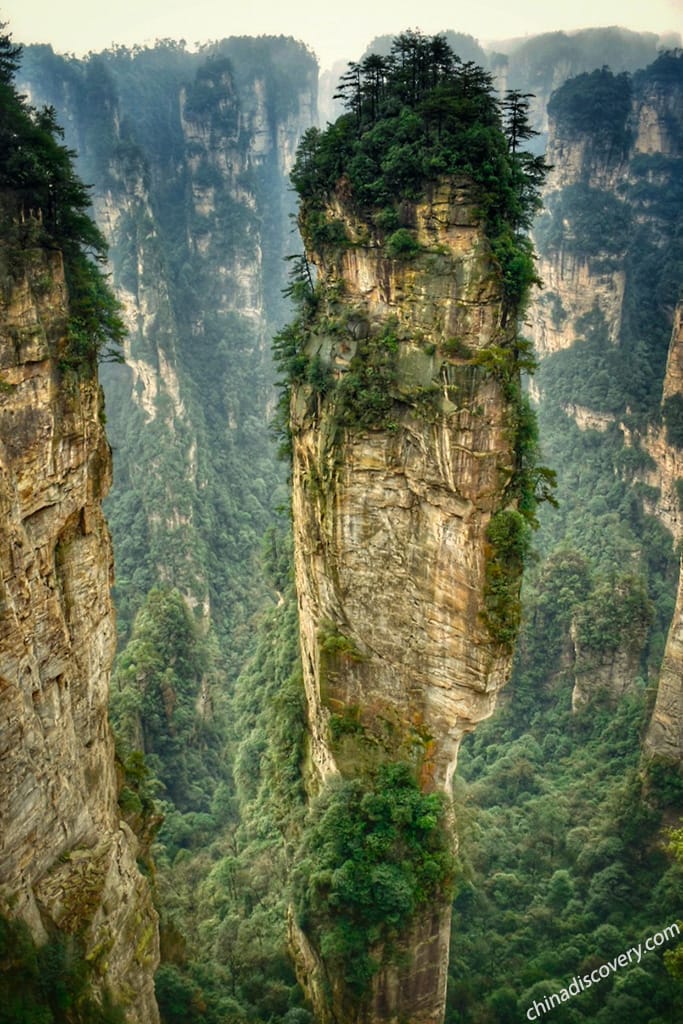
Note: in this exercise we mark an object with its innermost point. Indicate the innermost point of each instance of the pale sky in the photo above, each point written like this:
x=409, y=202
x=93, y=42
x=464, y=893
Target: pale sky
x=334, y=29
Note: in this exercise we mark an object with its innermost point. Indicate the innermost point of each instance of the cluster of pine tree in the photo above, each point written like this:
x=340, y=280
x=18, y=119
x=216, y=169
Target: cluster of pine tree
x=44, y=203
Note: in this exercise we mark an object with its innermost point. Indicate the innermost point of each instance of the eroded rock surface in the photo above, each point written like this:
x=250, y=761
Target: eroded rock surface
x=390, y=529
x=66, y=860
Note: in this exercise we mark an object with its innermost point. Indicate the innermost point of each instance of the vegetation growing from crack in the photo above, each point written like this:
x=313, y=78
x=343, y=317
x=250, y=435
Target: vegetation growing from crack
x=373, y=852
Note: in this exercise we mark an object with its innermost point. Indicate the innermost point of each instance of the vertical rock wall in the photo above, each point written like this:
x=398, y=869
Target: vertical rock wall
x=66, y=860
x=390, y=530
x=664, y=737
x=608, y=247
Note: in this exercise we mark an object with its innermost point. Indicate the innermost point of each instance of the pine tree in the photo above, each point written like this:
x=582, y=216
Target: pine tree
x=10, y=56
x=516, y=118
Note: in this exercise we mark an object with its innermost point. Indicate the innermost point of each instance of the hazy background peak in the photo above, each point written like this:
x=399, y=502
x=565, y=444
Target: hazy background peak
x=333, y=32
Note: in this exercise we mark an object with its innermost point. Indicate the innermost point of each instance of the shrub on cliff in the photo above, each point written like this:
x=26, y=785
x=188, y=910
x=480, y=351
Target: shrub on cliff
x=372, y=854
x=412, y=117
x=42, y=201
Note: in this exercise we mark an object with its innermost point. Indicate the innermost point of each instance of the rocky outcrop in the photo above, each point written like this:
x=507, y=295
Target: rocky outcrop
x=390, y=516
x=658, y=121
x=598, y=194
x=572, y=288
x=191, y=195
x=664, y=737
x=587, y=419
x=575, y=284
x=66, y=859
x=607, y=674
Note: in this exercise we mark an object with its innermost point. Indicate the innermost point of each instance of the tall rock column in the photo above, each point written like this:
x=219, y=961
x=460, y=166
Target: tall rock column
x=403, y=459
x=67, y=862
x=664, y=444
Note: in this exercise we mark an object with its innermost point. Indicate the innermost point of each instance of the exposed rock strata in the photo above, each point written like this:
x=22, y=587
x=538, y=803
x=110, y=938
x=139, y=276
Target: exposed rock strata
x=66, y=860
x=577, y=283
x=390, y=536
x=665, y=733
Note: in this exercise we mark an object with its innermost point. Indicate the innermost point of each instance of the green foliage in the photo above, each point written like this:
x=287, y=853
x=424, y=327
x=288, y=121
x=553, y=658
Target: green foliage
x=334, y=643
x=673, y=958
x=589, y=222
x=617, y=613
x=371, y=855
x=672, y=413
x=365, y=394
x=402, y=244
x=565, y=871
x=413, y=117
x=509, y=531
x=599, y=375
x=597, y=103
x=47, y=984
x=509, y=536
x=664, y=72
x=326, y=232
x=222, y=875
x=95, y=329
x=43, y=202
x=155, y=688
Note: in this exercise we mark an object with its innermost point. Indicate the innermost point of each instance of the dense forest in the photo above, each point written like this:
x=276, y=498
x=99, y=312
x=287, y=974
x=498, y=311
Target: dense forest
x=565, y=849
x=564, y=857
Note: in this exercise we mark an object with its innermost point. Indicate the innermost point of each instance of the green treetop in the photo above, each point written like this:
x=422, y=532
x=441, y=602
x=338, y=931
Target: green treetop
x=44, y=203
x=413, y=117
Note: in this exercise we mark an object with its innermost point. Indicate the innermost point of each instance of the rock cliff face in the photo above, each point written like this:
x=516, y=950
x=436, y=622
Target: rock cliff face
x=609, y=248
x=66, y=860
x=390, y=528
x=575, y=282
x=191, y=194
x=665, y=734
x=600, y=198
x=606, y=674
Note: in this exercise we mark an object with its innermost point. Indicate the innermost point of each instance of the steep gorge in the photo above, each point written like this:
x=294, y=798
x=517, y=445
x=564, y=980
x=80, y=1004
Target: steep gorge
x=400, y=492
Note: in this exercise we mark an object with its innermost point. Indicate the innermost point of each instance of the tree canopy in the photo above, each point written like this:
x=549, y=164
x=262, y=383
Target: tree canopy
x=414, y=116
x=46, y=203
